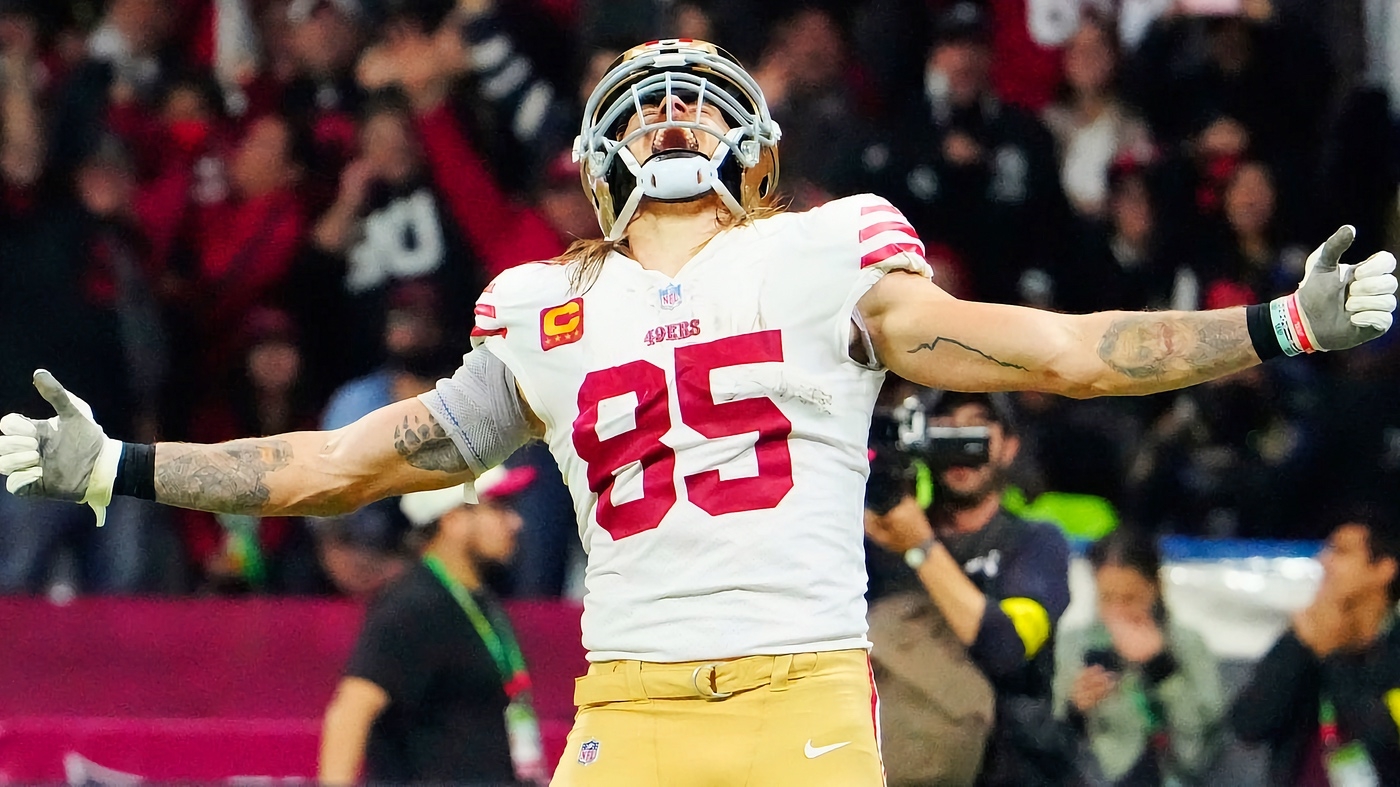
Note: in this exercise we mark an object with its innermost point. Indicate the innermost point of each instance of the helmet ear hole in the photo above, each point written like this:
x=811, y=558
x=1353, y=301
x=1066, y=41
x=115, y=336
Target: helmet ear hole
x=763, y=186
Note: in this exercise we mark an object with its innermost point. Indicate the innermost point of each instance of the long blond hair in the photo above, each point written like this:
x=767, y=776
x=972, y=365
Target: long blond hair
x=588, y=254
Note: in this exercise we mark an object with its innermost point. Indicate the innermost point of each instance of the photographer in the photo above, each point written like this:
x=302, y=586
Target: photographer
x=1000, y=582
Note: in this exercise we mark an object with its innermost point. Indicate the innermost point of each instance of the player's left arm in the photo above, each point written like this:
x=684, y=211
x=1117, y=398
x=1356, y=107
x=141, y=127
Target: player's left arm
x=926, y=335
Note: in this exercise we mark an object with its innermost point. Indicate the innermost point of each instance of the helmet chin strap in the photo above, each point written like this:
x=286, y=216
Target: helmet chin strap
x=673, y=176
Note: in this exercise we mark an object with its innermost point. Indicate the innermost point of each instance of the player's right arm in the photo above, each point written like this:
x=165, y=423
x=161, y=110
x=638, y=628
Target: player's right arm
x=401, y=448
x=395, y=450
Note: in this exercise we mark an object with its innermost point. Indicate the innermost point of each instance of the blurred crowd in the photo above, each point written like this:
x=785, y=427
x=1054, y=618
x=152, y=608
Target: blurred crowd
x=223, y=218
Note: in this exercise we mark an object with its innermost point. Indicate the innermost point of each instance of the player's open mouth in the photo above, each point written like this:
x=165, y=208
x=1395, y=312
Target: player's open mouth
x=674, y=139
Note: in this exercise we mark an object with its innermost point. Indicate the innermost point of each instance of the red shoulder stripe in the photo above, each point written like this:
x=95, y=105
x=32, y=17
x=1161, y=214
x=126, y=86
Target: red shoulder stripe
x=883, y=207
x=885, y=252
x=870, y=231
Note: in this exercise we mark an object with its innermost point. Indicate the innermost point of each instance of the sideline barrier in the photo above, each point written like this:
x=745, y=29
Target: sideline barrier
x=109, y=691
x=1237, y=594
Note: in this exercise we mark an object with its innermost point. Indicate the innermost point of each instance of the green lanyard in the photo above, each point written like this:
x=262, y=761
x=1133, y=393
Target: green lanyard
x=1143, y=704
x=504, y=651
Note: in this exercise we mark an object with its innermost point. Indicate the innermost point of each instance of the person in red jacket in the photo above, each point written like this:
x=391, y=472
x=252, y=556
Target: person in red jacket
x=237, y=215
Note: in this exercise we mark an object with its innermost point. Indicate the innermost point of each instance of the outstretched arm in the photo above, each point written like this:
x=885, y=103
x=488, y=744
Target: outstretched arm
x=397, y=449
x=925, y=335
x=929, y=337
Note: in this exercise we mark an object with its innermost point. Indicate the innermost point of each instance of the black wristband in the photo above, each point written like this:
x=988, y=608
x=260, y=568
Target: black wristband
x=1261, y=331
x=136, y=472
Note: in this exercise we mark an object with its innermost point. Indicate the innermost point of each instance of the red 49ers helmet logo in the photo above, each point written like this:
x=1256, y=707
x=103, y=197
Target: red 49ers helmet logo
x=561, y=325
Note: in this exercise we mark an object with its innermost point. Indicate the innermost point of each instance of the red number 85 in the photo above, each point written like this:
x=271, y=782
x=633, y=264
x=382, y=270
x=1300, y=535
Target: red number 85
x=699, y=411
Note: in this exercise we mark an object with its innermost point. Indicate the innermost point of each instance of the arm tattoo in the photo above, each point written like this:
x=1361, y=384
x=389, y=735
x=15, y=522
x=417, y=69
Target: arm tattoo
x=933, y=344
x=426, y=446
x=1180, y=349
x=227, y=478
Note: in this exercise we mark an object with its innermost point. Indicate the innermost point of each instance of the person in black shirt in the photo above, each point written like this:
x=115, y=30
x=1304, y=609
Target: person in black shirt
x=1326, y=699
x=436, y=689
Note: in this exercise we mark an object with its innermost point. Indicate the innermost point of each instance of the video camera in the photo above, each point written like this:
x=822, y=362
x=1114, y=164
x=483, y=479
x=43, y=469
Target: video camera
x=903, y=436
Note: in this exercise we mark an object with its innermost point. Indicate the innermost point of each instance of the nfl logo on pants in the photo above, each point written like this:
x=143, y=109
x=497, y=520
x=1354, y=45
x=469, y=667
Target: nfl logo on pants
x=588, y=752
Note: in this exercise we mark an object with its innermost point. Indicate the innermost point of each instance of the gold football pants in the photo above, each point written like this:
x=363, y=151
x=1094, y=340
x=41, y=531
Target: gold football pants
x=806, y=720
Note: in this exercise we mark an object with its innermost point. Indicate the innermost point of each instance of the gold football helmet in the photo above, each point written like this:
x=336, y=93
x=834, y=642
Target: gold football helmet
x=743, y=170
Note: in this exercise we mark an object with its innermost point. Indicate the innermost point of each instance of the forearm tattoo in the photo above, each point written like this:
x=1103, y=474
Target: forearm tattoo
x=1177, y=348
x=228, y=478
x=426, y=446
x=931, y=346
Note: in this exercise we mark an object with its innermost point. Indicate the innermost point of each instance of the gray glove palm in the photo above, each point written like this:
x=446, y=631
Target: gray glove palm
x=1346, y=305
x=66, y=457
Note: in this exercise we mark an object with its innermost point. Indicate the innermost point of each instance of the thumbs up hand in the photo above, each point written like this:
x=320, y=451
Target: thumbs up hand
x=66, y=457
x=1337, y=306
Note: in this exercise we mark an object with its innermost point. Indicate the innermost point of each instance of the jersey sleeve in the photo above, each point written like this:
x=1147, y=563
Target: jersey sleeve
x=876, y=239
x=886, y=240
x=480, y=409
x=489, y=321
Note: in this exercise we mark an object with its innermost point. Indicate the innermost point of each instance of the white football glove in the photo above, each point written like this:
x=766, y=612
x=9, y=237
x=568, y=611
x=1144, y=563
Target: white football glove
x=66, y=457
x=1341, y=305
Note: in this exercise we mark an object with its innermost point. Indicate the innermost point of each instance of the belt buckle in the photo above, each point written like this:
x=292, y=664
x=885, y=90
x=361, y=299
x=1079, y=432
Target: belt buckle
x=704, y=686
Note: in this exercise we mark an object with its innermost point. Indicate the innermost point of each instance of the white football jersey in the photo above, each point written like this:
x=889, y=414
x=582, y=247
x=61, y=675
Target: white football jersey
x=712, y=430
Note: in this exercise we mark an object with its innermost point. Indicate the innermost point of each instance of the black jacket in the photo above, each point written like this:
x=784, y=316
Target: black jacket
x=1279, y=707
x=1003, y=215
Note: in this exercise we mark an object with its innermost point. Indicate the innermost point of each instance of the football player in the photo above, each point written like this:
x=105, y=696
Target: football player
x=704, y=376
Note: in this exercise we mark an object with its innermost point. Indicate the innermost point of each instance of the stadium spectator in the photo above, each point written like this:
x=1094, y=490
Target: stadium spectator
x=117, y=85
x=436, y=690
x=1323, y=699
x=266, y=395
x=1091, y=125
x=1143, y=690
x=1250, y=261
x=81, y=252
x=322, y=42
x=534, y=112
x=803, y=74
x=417, y=353
x=1252, y=82
x=1131, y=259
x=389, y=224
x=1227, y=460
x=975, y=173
x=1000, y=582
x=21, y=120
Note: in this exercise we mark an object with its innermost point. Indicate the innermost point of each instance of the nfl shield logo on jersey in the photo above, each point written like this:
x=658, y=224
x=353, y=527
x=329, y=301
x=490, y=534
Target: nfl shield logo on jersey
x=588, y=752
x=671, y=296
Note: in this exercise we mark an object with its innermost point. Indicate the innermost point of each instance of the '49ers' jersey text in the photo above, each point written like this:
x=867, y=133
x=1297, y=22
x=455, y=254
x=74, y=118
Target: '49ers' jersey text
x=712, y=430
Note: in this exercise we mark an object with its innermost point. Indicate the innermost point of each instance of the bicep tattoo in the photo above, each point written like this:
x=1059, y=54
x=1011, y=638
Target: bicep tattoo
x=426, y=446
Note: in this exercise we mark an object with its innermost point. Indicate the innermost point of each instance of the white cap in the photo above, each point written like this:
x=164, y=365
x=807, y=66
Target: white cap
x=425, y=508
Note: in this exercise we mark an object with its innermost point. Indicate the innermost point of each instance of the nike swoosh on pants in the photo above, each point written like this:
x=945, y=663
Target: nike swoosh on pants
x=814, y=752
